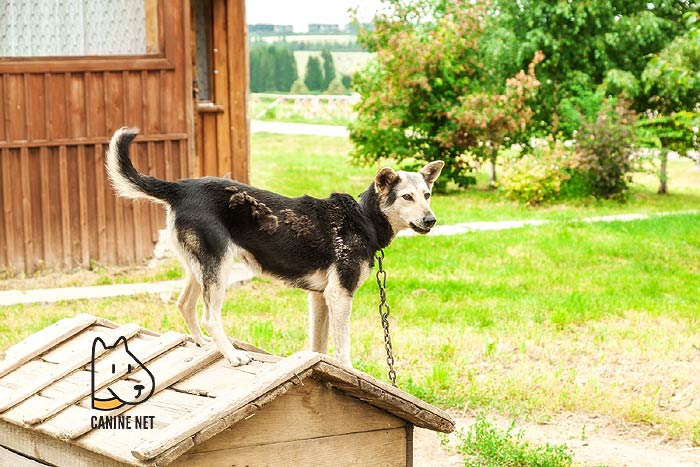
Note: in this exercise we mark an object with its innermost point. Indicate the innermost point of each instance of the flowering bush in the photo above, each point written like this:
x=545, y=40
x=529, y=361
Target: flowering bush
x=428, y=94
x=538, y=177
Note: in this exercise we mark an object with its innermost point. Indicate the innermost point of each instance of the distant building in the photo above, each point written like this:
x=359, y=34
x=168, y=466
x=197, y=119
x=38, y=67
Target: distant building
x=263, y=29
x=319, y=28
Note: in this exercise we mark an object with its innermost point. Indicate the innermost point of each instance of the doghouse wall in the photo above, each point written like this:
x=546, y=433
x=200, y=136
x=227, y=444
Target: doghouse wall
x=310, y=425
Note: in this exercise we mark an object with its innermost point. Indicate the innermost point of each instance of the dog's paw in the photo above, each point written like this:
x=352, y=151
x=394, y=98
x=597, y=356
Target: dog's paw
x=201, y=341
x=239, y=357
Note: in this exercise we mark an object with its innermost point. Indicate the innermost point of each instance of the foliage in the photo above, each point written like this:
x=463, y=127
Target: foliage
x=486, y=445
x=676, y=132
x=587, y=45
x=299, y=87
x=604, y=150
x=272, y=67
x=672, y=77
x=428, y=96
x=347, y=81
x=537, y=177
x=328, y=68
x=314, y=76
x=336, y=87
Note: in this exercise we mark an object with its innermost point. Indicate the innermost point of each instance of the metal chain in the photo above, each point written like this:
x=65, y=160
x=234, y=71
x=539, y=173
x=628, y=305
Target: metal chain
x=384, y=314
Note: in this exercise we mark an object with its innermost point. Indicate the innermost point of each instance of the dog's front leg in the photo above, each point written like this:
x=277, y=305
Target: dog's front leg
x=318, y=323
x=213, y=300
x=339, y=303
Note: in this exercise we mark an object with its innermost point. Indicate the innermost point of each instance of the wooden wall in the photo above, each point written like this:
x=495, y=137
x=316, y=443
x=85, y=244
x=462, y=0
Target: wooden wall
x=56, y=118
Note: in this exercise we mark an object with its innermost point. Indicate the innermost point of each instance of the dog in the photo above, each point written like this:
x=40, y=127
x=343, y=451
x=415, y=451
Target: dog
x=323, y=246
x=120, y=392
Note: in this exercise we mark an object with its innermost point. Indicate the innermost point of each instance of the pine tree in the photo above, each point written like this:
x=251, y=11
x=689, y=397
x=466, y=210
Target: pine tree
x=328, y=68
x=285, y=68
x=314, y=75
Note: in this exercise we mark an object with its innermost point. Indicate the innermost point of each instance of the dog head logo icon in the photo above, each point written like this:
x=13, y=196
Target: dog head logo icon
x=118, y=362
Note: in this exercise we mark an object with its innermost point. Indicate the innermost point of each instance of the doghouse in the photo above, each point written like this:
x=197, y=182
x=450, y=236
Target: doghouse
x=192, y=408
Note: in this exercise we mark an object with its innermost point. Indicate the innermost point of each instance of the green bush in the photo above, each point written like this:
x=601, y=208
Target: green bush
x=604, y=151
x=538, y=177
x=314, y=76
x=486, y=445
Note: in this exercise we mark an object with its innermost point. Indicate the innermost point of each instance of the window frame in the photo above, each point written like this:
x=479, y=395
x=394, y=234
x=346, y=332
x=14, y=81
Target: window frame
x=160, y=60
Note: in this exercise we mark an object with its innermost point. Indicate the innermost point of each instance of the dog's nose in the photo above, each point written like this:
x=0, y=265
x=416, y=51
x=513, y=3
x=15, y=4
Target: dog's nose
x=429, y=221
x=139, y=387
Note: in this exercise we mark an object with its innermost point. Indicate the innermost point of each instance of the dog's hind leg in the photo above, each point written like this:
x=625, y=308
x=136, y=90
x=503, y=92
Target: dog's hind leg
x=214, y=293
x=318, y=322
x=187, y=304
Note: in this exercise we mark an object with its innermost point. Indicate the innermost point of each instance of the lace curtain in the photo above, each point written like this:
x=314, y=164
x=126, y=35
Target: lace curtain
x=40, y=28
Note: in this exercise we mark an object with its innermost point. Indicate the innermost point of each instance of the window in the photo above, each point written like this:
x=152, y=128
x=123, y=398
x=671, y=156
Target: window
x=52, y=28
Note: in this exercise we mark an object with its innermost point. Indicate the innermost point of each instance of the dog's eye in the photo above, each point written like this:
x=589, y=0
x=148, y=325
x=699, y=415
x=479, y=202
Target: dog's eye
x=407, y=197
x=114, y=368
x=128, y=368
x=427, y=196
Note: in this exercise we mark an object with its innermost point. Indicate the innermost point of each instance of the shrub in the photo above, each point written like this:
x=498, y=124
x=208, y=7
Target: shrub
x=538, y=177
x=604, y=151
x=298, y=87
x=328, y=68
x=347, y=81
x=336, y=87
x=486, y=445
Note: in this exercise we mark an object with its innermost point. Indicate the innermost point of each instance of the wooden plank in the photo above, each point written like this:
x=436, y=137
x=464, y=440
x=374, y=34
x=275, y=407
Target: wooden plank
x=166, y=377
x=209, y=156
x=86, y=63
x=164, y=343
x=83, y=207
x=14, y=88
x=221, y=86
x=4, y=113
x=76, y=105
x=225, y=405
x=238, y=89
x=8, y=458
x=7, y=204
x=47, y=238
x=384, y=396
x=64, y=188
x=36, y=104
x=38, y=343
x=317, y=412
x=49, y=449
x=65, y=368
x=381, y=448
x=100, y=189
x=86, y=141
x=27, y=209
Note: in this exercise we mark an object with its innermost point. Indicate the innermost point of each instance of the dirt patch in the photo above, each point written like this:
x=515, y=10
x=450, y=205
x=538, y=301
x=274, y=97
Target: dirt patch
x=594, y=441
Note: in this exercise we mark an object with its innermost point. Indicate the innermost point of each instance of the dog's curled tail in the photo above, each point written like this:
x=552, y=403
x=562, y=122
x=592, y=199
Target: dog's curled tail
x=126, y=180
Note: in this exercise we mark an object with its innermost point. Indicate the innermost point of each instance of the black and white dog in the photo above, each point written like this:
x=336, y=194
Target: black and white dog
x=324, y=246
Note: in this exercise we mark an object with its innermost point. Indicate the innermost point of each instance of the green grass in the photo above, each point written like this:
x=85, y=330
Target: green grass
x=486, y=445
x=597, y=318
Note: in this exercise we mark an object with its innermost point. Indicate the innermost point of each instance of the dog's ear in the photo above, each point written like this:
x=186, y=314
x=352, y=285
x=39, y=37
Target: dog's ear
x=431, y=172
x=385, y=179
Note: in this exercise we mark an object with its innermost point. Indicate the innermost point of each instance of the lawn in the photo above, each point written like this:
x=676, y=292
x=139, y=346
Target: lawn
x=595, y=318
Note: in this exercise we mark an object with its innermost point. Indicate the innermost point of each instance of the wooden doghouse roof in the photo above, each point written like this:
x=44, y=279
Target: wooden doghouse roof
x=45, y=388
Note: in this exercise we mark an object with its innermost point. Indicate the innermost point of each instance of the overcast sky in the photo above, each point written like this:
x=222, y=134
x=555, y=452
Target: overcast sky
x=299, y=13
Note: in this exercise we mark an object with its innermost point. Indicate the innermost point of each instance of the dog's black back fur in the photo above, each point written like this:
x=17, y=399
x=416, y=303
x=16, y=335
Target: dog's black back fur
x=308, y=234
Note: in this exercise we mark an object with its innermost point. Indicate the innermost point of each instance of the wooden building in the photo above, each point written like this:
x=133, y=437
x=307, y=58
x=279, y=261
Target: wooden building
x=303, y=410
x=71, y=73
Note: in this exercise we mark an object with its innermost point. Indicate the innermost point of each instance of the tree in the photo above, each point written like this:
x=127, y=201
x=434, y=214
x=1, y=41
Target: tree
x=285, y=68
x=328, y=68
x=588, y=46
x=429, y=96
x=314, y=75
x=272, y=67
x=671, y=79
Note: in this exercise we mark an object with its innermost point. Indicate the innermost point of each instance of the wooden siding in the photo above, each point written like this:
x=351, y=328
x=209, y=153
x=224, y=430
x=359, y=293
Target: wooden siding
x=57, y=209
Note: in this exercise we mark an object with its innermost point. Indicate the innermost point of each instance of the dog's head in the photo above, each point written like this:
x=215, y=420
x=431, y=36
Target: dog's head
x=404, y=197
x=118, y=360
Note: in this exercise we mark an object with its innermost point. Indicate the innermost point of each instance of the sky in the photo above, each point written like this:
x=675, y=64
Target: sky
x=299, y=13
